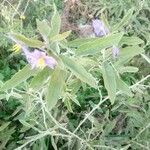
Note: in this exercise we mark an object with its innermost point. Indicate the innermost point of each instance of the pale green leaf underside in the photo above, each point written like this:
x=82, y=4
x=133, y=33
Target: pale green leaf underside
x=123, y=87
x=44, y=28
x=97, y=45
x=60, y=37
x=130, y=40
x=55, y=23
x=55, y=87
x=128, y=53
x=109, y=81
x=123, y=69
x=79, y=71
x=27, y=41
x=40, y=78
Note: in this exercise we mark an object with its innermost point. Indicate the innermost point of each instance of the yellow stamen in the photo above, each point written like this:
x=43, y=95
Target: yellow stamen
x=16, y=48
x=22, y=17
x=41, y=63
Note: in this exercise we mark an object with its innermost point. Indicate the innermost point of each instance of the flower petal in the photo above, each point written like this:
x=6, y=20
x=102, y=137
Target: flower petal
x=50, y=62
x=99, y=28
x=115, y=51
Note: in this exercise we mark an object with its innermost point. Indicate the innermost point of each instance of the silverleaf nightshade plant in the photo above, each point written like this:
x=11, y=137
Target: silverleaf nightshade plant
x=100, y=30
x=41, y=89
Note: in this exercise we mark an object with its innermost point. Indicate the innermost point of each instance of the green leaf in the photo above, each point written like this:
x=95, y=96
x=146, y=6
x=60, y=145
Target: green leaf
x=18, y=78
x=109, y=127
x=60, y=37
x=79, y=71
x=97, y=45
x=43, y=28
x=87, y=62
x=27, y=41
x=74, y=85
x=125, y=20
x=55, y=87
x=123, y=87
x=3, y=126
x=68, y=105
x=128, y=53
x=81, y=41
x=24, y=123
x=55, y=47
x=94, y=121
x=73, y=98
x=109, y=77
x=131, y=40
x=55, y=23
x=127, y=69
x=146, y=58
x=40, y=78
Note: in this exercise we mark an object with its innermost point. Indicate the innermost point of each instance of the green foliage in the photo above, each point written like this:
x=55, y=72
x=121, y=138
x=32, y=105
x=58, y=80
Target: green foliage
x=109, y=80
x=55, y=23
x=90, y=100
x=29, y=42
x=55, y=88
x=18, y=78
x=40, y=78
x=124, y=20
x=79, y=71
x=97, y=45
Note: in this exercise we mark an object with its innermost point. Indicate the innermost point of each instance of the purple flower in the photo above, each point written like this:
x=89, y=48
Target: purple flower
x=39, y=59
x=115, y=51
x=99, y=28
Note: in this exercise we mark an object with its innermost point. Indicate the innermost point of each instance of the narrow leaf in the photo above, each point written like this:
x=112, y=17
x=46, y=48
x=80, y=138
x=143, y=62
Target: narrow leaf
x=127, y=69
x=68, y=105
x=125, y=20
x=79, y=71
x=109, y=127
x=123, y=87
x=97, y=45
x=18, y=78
x=3, y=126
x=40, y=78
x=27, y=41
x=55, y=87
x=128, y=53
x=55, y=23
x=131, y=40
x=73, y=98
x=109, y=77
x=146, y=58
x=43, y=28
x=60, y=37
x=80, y=41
